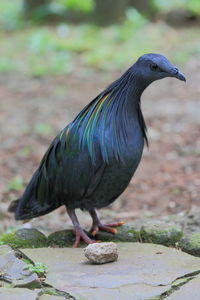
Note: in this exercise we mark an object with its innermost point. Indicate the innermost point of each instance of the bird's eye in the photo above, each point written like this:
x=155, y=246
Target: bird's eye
x=154, y=67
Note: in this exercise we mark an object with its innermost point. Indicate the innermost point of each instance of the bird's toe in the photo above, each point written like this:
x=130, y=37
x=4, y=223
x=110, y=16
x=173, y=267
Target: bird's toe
x=80, y=234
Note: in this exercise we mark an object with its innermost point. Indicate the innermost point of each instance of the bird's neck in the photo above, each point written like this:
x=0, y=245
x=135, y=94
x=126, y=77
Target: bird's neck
x=107, y=121
x=127, y=92
x=130, y=87
x=130, y=117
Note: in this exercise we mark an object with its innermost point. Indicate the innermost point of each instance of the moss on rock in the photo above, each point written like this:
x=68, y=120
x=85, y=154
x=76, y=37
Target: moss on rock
x=157, y=232
x=191, y=244
x=161, y=233
x=24, y=238
x=124, y=234
x=65, y=238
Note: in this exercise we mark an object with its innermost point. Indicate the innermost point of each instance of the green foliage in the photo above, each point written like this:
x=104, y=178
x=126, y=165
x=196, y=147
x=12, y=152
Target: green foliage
x=134, y=17
x=166, y=4
x=194, y=6
x=10, y=239
x=85, y=6
x=16, y=183
x=134, y=21
x=59, y=8
x=38, y=268
x=53, y=65
x=190, y=5
x=61, y=49
x=48, y=54
x=10, y=16
x=6, y=65
x=43, y=129
x=15, y=240
x=24, y=152
x=41, y=41
x=12, y=229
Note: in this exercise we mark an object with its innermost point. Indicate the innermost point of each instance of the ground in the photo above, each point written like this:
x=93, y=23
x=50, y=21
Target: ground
x=157, y=272
x=34, y=110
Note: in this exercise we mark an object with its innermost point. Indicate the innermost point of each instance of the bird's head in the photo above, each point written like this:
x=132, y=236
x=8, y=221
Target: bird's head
x=151, y=67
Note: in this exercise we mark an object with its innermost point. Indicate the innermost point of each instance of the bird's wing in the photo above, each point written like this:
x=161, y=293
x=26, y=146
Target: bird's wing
x=65, y=176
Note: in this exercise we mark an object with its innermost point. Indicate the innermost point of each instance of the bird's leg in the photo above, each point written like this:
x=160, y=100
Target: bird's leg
x=79, y=233
x=97, y=225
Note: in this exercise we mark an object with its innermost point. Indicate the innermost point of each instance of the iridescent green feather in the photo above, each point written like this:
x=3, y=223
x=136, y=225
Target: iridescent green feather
x=86, y=124
x=102, y=125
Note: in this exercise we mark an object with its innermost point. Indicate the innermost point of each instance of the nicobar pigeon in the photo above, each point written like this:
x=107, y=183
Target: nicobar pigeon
x=92, y=160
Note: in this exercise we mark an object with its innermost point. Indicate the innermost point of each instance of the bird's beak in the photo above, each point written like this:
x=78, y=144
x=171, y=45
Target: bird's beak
x=180, y=76
x=177, y=74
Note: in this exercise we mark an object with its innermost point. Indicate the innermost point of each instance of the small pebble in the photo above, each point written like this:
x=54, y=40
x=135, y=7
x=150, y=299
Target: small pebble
x=101, y=253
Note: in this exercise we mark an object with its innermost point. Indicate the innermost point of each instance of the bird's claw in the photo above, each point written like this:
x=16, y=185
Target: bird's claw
x=116, y=224
x=94, y=232
x=107, y=228
x=114, y=231
x=80, y=234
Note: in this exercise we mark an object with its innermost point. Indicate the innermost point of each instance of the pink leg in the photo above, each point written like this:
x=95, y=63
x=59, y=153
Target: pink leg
x=97, y=225
x=79, y=233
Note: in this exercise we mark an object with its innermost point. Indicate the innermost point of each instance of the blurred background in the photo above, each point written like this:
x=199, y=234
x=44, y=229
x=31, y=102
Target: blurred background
x=56, y=56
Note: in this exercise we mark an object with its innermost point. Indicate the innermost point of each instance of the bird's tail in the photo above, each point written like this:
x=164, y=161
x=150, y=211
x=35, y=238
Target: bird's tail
x=13, y=206
x=36, y=199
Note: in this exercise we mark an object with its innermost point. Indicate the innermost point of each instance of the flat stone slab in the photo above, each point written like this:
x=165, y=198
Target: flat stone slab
x=50, y=297
x=143, y=271
x=18, y=294
x=13, y=270
x=191, y=290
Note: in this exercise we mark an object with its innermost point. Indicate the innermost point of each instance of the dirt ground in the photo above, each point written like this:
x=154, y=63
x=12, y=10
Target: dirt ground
x=167, y=180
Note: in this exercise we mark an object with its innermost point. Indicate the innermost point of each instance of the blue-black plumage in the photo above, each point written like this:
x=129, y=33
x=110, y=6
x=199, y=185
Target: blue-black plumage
x=91, y=162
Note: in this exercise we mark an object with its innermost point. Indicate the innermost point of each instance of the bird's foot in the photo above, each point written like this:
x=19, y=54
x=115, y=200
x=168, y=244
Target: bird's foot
x=96, y=227
x=80, y=234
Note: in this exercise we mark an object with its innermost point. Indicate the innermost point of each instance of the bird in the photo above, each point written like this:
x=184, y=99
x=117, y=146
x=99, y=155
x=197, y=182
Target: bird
x=92, y=160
